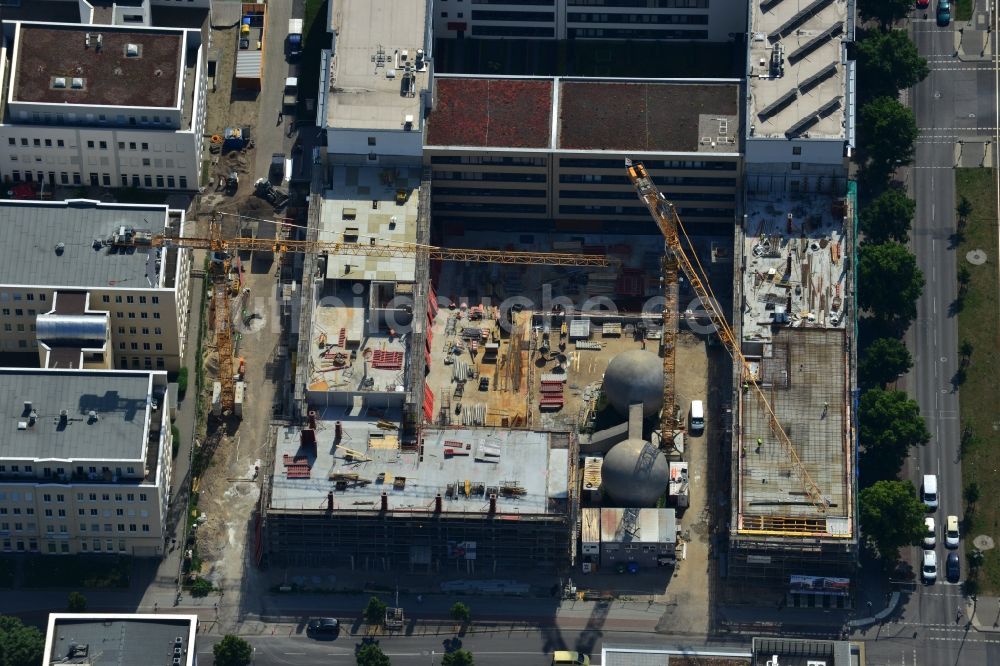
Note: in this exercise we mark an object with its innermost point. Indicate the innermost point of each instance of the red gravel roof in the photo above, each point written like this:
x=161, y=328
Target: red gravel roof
x=639, y=116
x=501, y=113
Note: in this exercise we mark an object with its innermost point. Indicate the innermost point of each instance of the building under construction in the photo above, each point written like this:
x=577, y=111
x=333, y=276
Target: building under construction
x=346, y=492
x=793, y=509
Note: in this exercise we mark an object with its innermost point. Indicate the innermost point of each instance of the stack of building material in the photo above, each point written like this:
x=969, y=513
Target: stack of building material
x=552, y=394
x=296, y=467
x=387, y=360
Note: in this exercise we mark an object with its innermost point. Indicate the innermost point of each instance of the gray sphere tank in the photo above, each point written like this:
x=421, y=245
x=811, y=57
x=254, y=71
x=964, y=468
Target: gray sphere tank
x=635, y=376
x=635, y=473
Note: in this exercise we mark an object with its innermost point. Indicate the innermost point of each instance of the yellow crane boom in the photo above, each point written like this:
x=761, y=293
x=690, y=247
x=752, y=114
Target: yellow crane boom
x=215, y=242
x=665, y=214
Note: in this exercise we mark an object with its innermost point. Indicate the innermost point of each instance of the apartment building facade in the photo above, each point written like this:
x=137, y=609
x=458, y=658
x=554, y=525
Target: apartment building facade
x=680, y=20
x=550, y=153
x=105, y=106
x=145, y=292
x=85, y=467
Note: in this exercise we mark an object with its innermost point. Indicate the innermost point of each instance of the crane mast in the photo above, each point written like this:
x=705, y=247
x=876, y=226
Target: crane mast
x=222, y=249
x=665, y=214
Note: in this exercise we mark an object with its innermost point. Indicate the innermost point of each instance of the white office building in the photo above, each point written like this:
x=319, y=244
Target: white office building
x=101, y=105
x=85, y=461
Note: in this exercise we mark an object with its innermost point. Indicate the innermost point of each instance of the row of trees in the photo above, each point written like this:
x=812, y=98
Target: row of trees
x=890, y=282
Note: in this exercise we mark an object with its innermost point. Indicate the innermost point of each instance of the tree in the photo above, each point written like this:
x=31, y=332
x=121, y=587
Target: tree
x=20, y=645
x=888, y=217
x=460, y=612
x=888, y=62
x=457, y=658
x=883, y=361
x=890, y=282
x=232, y=651
x=201, y=587
x=371, y=654
x=888, y=131
x=886, y=12
x=375, y=611
x=889, y=424
x=963, y=209
x=76, y=603
x=965, y=349
x=971, y=495
x=891, y=516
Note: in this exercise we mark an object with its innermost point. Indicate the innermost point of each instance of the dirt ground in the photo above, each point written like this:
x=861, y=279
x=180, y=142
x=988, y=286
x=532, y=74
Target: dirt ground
x=228, y=490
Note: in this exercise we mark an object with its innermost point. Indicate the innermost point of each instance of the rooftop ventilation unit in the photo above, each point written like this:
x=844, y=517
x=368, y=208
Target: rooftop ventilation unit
x=100, y=41
x=131, y=50
x=92, y=416
x=86, y=41
x=59, y=82
x=77, y=83
x=28, y=406
x=816, y=42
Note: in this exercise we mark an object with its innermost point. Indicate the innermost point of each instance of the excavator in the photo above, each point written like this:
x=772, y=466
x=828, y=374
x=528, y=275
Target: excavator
x=664, y=212
x=222, y=249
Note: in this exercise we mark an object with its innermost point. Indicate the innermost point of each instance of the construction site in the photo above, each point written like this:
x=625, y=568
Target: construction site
x=793, y=510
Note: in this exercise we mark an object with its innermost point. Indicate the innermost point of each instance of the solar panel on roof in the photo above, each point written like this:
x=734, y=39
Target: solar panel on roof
x=815, y=42
x=800, y=18
x=817, y=78
x=767, y=5
x=777, y=105
x=829, y=107
x=802, y=125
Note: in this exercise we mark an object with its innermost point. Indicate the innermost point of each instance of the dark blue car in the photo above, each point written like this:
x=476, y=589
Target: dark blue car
x=944, y=12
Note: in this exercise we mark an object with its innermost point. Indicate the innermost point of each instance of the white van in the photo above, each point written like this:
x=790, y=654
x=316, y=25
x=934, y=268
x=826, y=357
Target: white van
x=697, y=416
x=930, y=491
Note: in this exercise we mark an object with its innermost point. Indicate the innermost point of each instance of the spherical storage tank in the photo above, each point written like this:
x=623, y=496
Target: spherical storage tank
x=635, y=376
x=635, y=473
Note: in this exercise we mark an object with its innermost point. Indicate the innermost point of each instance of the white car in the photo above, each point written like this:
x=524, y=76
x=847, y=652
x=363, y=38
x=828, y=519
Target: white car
x=929, y=568
x=951, y=532
x=930, y=536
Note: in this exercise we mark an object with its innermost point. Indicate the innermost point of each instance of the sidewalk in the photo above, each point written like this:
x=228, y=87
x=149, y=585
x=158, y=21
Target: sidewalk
x=974, y=39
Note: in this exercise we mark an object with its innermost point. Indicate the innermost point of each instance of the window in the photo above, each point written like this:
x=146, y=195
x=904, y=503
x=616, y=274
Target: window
x=142, y=497
x=134, y=346
x=796, y=166
x=37, y=142
x=159, y=181
x=106, y=179
x=145, y=346
x=145, y=146
x=121, y=145
x=11, y=141
x=145, y=527
x=371, y=141
x=171, y=183
x=61, y=513
x=121, y=527
x=105, y=298
x=48, y=513
x=132, y=527
x=46, y=498
x=48, y=143
x=90, y=144
x=148, y=180
x=157, y=331
x=796, y=150
x=156, y=315
x=131, y=315
x=60, y=498
x=81, y=512
x=183, y=182
x=107, y=527
x=131, y=145
x=83, y=527
x=159, y=346
x=103, y=145
x=60, y=143
x=131, y=497
x=105, y=497
x=155, y=300
x=143, y=315
x=131, y=330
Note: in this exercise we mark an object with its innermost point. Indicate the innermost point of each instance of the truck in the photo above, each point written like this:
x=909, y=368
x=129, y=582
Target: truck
x=250, y=43
x=678, y=489
x=293, y=46
x=291, y=95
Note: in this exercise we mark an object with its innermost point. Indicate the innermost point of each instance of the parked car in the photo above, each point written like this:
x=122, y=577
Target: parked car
x=929, y=567
x=951, y=532
x=930, y=537
x=323, y=626
x=923, y=4
x=944, y=12
x=953, y=567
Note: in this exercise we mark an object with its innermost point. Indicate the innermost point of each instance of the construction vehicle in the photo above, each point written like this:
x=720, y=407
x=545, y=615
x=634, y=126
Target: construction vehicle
x=236, y=138
x=223, y=249
x=665, y=214
x=232, y=183
x=266, y=191
x=293, y=44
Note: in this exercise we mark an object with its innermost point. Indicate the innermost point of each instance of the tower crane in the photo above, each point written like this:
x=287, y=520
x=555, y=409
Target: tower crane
x=665, y=214
x=222, y=248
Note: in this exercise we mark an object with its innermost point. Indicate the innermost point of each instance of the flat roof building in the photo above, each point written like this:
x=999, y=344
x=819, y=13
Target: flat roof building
x=693, y=20
x=549, y=152
x=121, y=639
x=101, y=105
x=94, y=445
x=374, y=83
x=350, y=491
x=55, y=247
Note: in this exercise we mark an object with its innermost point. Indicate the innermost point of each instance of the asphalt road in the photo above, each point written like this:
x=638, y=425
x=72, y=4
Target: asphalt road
x=526, y=648
x=956, y=101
